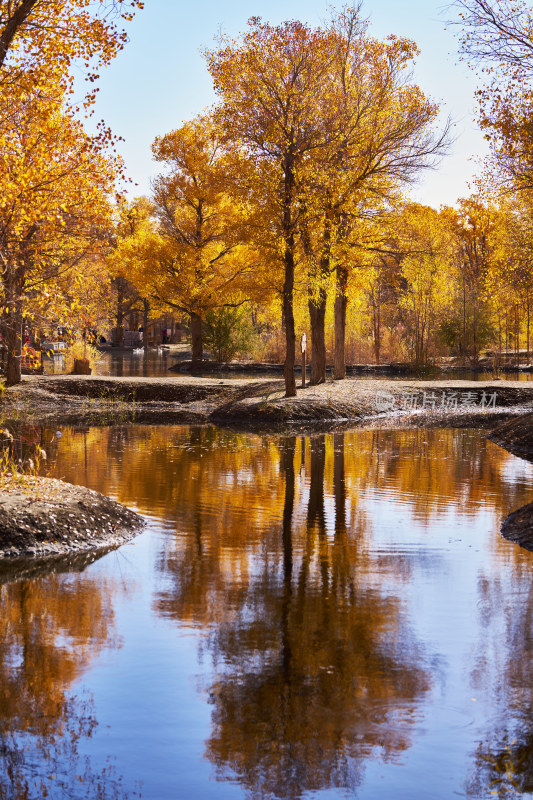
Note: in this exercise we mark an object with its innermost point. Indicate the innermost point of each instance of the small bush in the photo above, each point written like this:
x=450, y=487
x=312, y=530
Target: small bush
x=228, y=332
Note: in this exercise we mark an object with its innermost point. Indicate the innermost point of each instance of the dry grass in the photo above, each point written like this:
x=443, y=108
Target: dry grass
x=17, y=473
x=81, y=349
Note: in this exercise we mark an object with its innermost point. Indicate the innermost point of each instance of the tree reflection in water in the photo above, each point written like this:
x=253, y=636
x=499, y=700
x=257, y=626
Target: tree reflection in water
x=317, y=670
x=52, y=626
x=304, y=604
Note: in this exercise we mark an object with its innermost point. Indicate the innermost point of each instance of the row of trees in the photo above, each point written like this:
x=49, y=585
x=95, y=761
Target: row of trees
x=425, y=284
x=287, y=196
x=315, y=133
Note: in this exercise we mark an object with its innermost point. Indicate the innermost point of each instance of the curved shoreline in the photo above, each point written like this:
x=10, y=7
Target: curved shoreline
x=48, y=517
x=517, y=527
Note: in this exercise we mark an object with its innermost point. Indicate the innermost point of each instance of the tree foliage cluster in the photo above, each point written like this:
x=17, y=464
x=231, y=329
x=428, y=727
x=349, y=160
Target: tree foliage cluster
x=57, y=182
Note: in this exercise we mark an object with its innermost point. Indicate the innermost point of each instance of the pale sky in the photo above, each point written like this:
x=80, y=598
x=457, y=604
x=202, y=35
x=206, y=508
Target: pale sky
x=160, y=79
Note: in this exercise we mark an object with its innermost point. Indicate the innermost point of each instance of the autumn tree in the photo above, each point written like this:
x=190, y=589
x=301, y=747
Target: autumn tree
x=509, y=277
x=191, y=253
x=496, y=39
x=54, y=209
x=132, y=219
x=54, y=178
x=47, y=37
x=472, y=224
x=424, y=247
x=44, y=231
x=384, y=137
x=382, y=282
x=276, y=106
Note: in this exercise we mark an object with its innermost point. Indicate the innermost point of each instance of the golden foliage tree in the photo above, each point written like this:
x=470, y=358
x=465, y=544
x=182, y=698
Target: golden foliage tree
x=326, y=116
x=46, y=37
x=277, y=108
x=54, y=178
x=54, y=210
x=190, y=249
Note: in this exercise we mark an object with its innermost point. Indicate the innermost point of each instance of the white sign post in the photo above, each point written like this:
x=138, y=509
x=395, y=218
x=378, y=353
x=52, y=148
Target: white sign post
x=303, y=344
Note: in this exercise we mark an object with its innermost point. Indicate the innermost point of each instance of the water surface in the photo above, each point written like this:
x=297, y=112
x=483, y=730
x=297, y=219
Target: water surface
x=157, y=362
x=320, y=616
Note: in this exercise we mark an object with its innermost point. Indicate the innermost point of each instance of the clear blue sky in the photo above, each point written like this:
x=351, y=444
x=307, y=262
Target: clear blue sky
x=160, y=79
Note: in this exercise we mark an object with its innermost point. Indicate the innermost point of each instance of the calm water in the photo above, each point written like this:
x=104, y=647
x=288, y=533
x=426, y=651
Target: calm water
x=305, y=617
x=156, y=363
x=136, y=364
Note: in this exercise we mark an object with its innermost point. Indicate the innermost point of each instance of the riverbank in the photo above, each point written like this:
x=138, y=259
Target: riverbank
x=261, y=404
x=517, y=527
x=44, y=517
x=516, y=435
x=47, y=517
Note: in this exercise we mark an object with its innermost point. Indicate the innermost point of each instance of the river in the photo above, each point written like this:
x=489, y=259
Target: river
x=322, y=616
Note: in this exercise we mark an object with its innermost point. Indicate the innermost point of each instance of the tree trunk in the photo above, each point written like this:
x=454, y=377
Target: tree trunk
x=146, y=311
x=288, y=283
x=120, y=284
x=499, y=338
x=474, y=333
x=14, y=343
x=317, y=315
x=317, y=307
x=290, y=334
x=517, y=337
x=527, y=331
x=464, y=322
x=506, y=337
x=376, y=319
x=196, y=335
x=13, y=285
x=341, y=301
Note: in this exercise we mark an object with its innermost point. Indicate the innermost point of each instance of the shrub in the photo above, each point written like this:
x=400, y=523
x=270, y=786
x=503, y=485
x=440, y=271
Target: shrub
x=228, y=332
x=80, y=349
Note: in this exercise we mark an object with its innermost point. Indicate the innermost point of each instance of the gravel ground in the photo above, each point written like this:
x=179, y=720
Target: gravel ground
x=47, y=517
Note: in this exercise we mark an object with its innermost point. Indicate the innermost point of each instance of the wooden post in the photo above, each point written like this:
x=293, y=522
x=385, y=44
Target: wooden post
x=303, y=343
